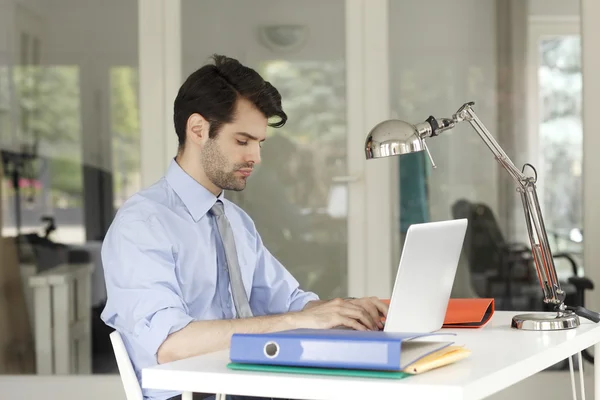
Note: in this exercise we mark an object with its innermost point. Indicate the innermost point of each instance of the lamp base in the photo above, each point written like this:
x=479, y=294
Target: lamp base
x=548, y=321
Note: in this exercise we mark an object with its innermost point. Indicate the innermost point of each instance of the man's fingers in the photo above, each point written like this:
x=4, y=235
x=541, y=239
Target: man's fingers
x=358, y=313
x=381, y=306
x=364, y=316
x=372, y=309
x=351, y=323
x=370, y=306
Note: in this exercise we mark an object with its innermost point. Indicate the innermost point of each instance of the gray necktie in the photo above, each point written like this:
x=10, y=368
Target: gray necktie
x=240, y=300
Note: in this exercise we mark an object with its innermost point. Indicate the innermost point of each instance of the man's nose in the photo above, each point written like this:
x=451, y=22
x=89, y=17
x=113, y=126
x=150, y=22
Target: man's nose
x=254, y=155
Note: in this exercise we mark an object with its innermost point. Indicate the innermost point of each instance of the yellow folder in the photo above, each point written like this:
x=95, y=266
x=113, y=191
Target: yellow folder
x=440, y=358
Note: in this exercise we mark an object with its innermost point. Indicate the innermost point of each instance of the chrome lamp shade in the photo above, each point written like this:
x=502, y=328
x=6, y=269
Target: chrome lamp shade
x=392, y=137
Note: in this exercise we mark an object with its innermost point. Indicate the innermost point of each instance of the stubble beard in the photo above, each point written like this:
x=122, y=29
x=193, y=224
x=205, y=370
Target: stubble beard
x=217, y=168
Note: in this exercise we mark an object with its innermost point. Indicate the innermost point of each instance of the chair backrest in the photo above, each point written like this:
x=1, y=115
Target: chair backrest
x=128, y=377
x=484, y=242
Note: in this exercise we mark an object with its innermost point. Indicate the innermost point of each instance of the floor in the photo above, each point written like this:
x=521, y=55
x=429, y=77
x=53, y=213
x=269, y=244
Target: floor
x=545, y=385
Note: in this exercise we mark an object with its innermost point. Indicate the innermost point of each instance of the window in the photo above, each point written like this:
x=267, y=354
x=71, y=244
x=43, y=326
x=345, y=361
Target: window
x=556, y=81
x=51, y=183
x=560, y=134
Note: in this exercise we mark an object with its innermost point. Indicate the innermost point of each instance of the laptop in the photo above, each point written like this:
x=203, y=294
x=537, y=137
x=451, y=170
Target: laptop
x=425, y=276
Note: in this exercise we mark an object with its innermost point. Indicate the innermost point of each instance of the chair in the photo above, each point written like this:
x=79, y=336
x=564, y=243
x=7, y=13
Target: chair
x=128, y=377
x=509, y=266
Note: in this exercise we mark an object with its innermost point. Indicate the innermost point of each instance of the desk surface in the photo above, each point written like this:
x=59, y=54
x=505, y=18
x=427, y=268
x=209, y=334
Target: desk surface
x=501, y=356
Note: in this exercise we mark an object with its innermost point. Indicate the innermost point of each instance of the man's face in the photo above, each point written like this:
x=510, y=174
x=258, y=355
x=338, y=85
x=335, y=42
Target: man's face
x=228, y=159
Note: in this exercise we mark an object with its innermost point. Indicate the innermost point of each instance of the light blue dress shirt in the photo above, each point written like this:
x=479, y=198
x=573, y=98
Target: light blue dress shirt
x=164, y=267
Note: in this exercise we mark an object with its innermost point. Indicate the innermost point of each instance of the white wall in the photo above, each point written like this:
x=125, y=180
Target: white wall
x=559, y=8
x=204, y=31
x=86, y=31
x=591, y=141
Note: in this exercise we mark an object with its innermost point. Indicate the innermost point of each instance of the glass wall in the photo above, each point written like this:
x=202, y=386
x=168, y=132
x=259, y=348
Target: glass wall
x=294, y=197
x=527, y=92
x=69, y=138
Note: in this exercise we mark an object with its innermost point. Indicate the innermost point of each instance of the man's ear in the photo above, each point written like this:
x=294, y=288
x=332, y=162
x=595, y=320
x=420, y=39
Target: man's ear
x=197, y=129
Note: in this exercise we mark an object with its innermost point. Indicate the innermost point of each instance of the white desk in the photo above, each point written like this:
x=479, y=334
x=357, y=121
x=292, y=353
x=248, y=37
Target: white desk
x=501, y=357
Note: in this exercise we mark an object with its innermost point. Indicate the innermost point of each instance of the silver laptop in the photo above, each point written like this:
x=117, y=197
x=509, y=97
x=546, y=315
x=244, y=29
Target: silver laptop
x=425, y=276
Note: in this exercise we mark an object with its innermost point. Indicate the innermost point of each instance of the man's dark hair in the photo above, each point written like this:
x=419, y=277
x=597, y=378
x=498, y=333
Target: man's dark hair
x=212, y=91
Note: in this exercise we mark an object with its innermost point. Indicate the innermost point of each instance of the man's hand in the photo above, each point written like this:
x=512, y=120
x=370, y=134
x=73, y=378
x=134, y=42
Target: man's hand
x=360, y=314
x=375, y=307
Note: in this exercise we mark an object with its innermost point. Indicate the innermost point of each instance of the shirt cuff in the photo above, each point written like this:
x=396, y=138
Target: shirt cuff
x=301, y=300
x=164, y=322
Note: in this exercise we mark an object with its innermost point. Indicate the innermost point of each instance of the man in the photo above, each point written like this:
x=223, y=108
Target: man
x=184, y=267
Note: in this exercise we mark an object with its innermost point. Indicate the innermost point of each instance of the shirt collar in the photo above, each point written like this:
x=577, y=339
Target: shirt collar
x=196, y=198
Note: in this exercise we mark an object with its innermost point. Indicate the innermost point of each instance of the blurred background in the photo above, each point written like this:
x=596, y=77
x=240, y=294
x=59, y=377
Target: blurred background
x=86, y=92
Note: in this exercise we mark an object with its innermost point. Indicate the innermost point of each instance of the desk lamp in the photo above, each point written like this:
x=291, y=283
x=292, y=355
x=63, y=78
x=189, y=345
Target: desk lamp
x=395, y=137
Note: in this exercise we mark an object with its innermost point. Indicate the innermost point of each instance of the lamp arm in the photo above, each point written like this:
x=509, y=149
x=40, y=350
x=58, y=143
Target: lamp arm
x=542, y=255
x=466, y=113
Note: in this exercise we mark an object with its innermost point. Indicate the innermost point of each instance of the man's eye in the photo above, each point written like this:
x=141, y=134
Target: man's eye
x=242, y=143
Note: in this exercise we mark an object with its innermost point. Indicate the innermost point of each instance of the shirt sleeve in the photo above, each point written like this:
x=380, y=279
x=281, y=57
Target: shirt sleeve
x=144, y=299
x=275, y=290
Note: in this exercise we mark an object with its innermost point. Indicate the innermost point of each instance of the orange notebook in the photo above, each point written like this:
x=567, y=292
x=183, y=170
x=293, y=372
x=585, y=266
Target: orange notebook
x=467, y=313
